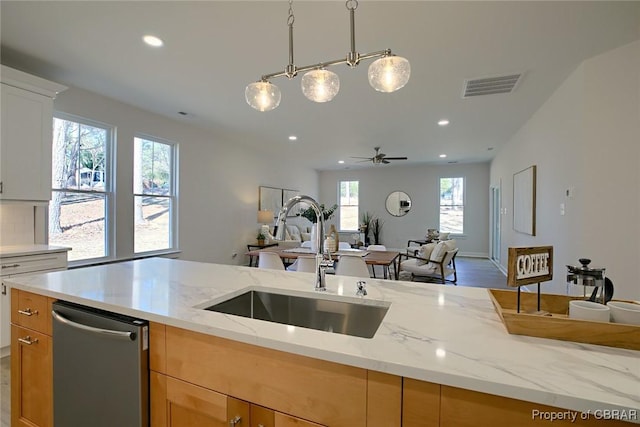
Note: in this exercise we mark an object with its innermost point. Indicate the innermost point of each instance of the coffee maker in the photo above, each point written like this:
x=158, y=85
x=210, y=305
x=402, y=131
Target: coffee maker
x=592, y=280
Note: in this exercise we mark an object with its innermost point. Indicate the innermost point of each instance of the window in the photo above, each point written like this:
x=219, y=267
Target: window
x=348, y=196
x=154, y=191
x=452, y=205
x=81, y=201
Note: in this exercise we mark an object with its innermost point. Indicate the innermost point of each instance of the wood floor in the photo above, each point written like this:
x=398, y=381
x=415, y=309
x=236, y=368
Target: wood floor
x=475, y=273
x=472, y=272
x=5, y=392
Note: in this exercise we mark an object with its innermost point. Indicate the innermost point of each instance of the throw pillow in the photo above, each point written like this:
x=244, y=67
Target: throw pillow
x=439, y=251
x=294, y=232
x=451, y=244
x=425, y=252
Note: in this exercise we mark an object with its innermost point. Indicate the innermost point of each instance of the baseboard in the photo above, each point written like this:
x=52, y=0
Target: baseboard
x=499, y=267
x=5, y=351
x=473, y=254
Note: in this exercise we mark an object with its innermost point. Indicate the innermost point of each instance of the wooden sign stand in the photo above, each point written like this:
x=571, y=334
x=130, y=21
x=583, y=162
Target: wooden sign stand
x=527, y=265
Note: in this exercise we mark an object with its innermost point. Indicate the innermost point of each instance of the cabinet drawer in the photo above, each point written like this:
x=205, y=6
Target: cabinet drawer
x=323, y=392
x=31, y=311
x=33, y=263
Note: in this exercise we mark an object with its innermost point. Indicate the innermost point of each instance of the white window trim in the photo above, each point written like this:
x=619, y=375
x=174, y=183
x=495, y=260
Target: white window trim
x=340, y=229
x=173, y=212
x=464, y=203
x=109, y=190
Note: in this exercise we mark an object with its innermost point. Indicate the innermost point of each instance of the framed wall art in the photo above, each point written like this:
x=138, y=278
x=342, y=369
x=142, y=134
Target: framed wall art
x=273, y=198
x=270, y=198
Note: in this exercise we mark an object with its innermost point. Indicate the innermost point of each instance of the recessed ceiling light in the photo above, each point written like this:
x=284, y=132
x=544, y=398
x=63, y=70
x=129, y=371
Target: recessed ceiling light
x=293, y=138
x=443, y=122
x=341, y=161
x=152, y=40
x=442, y=156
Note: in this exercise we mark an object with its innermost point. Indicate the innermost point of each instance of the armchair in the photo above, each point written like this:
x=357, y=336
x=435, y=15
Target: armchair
x=439, y=264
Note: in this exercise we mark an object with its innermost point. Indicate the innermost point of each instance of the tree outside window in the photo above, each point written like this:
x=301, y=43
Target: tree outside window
x=452, y=205
x=154, y=195
x=80, y=200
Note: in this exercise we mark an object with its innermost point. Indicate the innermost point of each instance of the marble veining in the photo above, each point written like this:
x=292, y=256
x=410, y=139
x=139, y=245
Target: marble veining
x=443, y=334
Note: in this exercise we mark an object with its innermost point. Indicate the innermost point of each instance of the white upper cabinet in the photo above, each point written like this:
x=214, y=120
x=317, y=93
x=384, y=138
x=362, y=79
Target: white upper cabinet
x=25, y=147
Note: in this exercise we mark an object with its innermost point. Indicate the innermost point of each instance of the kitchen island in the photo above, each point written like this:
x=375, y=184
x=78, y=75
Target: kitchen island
x=443, y=335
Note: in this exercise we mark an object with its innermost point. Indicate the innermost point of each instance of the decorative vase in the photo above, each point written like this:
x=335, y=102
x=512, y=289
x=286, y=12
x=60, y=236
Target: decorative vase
x=329, y=244
x=314, y=232
x=336, y=238
x=261, y=242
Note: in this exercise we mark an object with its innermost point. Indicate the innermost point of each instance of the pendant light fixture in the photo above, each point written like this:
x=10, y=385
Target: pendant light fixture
x=387, y=74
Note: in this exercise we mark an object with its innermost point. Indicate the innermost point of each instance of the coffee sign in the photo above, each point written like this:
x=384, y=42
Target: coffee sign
x=529, y=265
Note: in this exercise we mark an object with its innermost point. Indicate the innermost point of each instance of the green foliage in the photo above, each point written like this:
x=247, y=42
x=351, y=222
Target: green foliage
x=376, y=226
x=310, y=214
x=155, y=163
x=260, y=236
x=366, y=220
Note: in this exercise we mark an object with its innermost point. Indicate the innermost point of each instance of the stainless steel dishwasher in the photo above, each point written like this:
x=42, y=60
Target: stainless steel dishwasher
x=100, y=368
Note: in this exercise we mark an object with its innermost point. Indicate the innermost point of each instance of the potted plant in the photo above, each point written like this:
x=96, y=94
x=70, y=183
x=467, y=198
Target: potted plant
x=261, y=238
x=310, y=214
x=376, y=226
x=364, y=226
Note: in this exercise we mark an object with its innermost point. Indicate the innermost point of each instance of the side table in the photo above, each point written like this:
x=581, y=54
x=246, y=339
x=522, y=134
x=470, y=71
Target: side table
x=256, y=245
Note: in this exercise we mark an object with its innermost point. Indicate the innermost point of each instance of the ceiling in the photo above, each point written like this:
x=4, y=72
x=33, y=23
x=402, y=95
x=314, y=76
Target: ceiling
x=213, y=49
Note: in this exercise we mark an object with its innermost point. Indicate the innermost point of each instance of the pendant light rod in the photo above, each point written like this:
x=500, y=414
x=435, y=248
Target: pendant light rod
x=319, y=65
x=387, y=74
x=290, y=71
x=353, y=58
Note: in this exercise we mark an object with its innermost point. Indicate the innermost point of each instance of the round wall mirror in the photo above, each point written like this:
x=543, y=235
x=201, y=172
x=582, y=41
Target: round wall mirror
x=398, y=203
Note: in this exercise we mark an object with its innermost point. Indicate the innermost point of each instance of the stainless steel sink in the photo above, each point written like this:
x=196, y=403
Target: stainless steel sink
x=341, y=317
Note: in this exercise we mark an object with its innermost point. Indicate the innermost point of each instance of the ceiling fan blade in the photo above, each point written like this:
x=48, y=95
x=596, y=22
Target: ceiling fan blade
x=395, y=158
x=385, y=161
x=357, y=157
x=365, y=160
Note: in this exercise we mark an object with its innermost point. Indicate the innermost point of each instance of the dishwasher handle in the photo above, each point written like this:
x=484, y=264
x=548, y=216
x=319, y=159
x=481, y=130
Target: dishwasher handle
x=116, y=334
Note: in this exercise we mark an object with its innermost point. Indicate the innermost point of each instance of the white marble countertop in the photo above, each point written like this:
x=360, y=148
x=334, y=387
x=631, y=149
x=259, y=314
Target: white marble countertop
x=442, y=334
x=33, y=249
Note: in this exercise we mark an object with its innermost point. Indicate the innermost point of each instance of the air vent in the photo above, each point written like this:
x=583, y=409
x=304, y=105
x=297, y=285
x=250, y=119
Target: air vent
x=490, y=85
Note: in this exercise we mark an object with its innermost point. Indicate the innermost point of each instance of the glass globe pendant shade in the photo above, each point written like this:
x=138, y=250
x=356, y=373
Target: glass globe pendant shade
x=320, y=85
x=389, y=73
x=263, y=96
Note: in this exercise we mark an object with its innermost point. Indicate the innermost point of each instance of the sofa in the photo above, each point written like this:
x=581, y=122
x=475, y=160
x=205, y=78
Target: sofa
x=294, y=234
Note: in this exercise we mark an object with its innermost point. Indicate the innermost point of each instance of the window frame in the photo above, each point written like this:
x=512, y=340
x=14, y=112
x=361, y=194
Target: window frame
x=340, y=205
x=108, y=193
x=173, y=197
x=464, y=203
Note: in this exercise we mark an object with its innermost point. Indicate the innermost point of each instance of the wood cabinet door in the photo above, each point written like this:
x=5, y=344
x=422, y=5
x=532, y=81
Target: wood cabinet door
x=262, y=417
x=466, y=408
x=420, y=403
x=283, y=420
x=176, y=403
x=31, y=378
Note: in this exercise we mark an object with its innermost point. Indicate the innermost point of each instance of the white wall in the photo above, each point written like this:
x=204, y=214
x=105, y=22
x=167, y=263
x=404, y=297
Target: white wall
x=219, y=178
x=421, y=184
x=586, y=139
x=16, y=224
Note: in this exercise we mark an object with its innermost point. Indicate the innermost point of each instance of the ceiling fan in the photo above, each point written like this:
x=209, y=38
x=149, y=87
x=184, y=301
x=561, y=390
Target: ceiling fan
x=379, y=158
